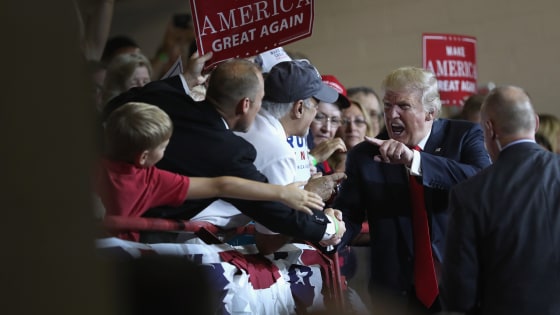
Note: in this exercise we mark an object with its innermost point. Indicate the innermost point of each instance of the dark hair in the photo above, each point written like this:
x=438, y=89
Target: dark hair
x=472, y=106
x=114, y=44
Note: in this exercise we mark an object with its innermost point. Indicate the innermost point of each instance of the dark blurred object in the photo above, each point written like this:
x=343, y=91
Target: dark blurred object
x=471, y=109
x=543, y=141
x=182, y=20
x=159, y=284
x=118, y=45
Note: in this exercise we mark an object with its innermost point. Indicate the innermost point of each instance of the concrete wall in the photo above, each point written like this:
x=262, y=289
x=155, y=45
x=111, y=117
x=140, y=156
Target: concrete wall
x=362, y=40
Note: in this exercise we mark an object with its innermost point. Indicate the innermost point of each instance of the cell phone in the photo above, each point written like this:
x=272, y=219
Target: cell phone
x=182, y=20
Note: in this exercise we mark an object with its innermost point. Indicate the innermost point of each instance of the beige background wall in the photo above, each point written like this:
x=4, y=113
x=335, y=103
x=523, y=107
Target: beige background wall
x=362, y=40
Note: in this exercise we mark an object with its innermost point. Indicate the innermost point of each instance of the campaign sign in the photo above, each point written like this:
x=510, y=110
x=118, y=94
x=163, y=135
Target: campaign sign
x=244, y=28
x=453, y=60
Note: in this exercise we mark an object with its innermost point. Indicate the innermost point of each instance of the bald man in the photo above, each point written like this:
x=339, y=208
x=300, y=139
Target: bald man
x=503, y=243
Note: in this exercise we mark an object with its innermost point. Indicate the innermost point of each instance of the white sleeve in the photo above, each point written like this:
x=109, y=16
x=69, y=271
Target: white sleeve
x=185, y=86
x=280, y=172
x=416, y=167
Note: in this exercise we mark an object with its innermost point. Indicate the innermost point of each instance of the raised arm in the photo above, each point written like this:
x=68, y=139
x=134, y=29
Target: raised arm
x=96, y=16
x=235, y=187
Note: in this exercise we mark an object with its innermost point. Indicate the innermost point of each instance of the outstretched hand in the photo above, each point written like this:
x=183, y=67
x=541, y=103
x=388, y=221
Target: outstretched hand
x=392, y=151
x=300, y=199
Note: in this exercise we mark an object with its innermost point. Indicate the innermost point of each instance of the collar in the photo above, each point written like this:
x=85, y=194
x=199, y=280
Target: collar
x=424, y=140
x=225, y=122
x=516, y=142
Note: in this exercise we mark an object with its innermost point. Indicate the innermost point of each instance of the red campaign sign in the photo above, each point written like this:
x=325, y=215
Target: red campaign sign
x=453, y=60
x=244, y=28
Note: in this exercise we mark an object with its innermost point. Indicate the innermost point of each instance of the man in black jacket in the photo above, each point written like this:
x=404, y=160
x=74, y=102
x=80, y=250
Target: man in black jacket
x=503, y=247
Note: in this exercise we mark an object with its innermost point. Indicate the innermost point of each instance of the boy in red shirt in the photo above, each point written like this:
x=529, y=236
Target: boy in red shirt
x=136, y=135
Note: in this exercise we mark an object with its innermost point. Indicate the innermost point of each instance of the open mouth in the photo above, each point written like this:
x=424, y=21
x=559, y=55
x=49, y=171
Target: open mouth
x=397, y=129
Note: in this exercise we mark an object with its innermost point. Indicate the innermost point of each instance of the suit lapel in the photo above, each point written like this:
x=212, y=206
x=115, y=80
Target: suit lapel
x=436, y=138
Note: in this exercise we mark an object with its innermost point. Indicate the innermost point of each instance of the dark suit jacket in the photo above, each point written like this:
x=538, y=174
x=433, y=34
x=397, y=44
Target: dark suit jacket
x=201, y=145
x=454, y=151
x=503, y=246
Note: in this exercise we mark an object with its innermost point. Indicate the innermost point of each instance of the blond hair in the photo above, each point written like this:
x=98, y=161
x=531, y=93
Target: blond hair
x=119, y=70
x=412, y=79
x=549, y=127
x=367, y=118
x=134, y=128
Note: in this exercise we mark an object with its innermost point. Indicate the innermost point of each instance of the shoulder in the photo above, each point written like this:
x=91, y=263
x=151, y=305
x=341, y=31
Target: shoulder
x=456, y=131
x=264, y=131
x=162, y=93
x=456, y=126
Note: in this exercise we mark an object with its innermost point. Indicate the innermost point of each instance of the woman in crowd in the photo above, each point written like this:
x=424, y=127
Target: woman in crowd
x=321, y=139
x=124, y=72
x=355, y=125
x=549, y=128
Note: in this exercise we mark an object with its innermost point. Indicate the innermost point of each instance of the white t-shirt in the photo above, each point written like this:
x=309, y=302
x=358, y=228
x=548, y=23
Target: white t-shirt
x=301, y=154
x=276, y=158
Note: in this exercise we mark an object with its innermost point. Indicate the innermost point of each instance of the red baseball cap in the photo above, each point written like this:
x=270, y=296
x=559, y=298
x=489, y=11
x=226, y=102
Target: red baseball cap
x=333, y=82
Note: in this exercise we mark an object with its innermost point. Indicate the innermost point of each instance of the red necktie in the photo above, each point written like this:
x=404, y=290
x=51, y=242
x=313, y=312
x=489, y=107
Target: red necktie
x=425, y=280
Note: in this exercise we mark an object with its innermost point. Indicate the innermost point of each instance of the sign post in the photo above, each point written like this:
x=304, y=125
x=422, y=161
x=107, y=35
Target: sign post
x=452, y=58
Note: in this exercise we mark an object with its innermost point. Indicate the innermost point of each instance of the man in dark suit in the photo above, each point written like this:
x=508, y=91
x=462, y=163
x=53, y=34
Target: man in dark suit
x=416, y=148
x=203, y=144
x=503, y=246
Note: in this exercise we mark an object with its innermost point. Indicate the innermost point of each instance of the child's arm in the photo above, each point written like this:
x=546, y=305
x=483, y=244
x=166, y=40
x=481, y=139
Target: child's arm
x=236, y=187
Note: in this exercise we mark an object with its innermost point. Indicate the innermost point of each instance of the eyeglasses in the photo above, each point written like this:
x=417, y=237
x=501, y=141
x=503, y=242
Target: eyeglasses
x=360, y=122
x=324, y=120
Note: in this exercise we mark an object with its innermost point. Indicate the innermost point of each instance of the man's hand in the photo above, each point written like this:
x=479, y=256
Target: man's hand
x=336, y=215
x=324, y=186
x=193, y=73
x=392, y=151
x=325, y=149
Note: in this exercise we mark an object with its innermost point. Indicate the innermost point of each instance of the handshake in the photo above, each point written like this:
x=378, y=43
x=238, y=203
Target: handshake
x=327, y=187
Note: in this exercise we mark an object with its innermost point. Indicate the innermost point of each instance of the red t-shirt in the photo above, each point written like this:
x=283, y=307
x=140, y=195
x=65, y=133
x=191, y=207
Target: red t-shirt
x=129, y=191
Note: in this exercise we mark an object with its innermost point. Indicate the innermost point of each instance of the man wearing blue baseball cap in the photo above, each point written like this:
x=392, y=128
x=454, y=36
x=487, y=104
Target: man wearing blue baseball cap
x=292, y=91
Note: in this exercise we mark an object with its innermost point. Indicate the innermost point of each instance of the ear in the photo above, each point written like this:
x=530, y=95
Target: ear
x=537, y=123
x=430, y=116
x=243, y=106
x=489, y=126
x=297, y=109
x=141, y=159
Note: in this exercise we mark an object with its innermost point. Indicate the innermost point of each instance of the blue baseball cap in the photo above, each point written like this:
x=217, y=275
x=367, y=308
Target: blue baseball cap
x=293, y=80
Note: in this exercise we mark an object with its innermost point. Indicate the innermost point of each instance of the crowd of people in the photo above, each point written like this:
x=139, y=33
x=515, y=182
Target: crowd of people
x=462, y=212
